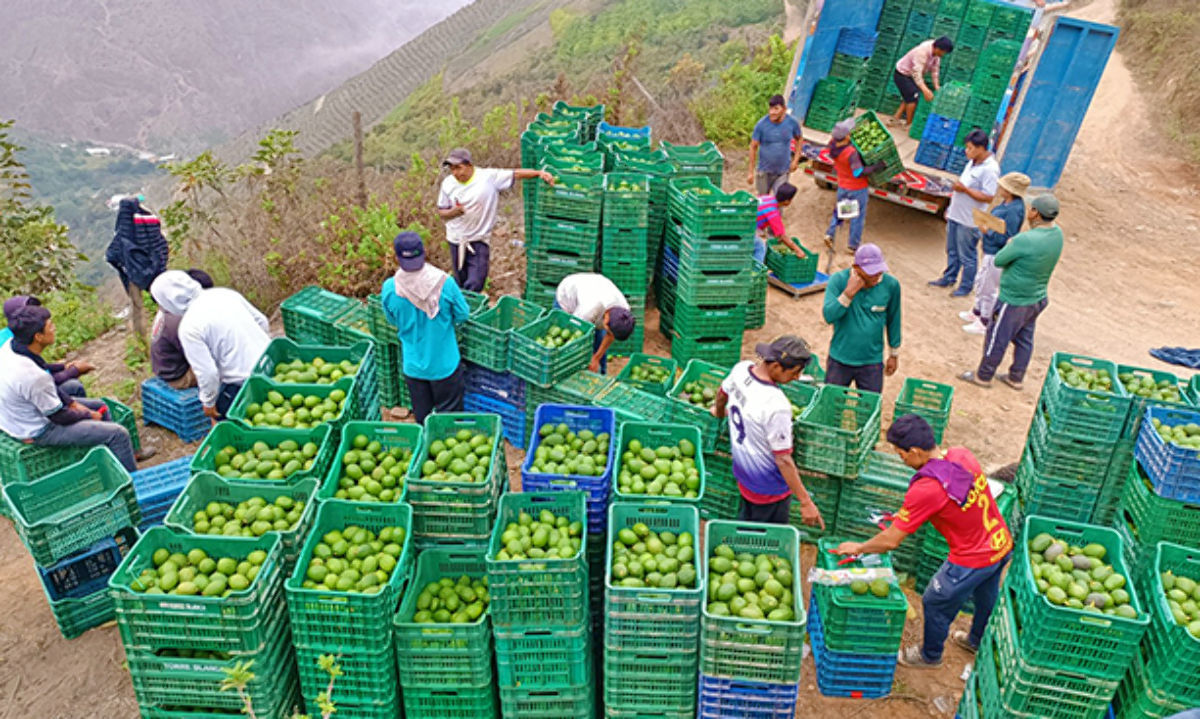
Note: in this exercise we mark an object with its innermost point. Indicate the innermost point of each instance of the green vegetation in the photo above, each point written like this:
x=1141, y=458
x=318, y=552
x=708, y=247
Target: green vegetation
x=1161, y=36
x=728, y=111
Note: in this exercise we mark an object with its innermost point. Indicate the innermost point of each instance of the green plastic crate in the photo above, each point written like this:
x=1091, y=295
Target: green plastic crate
x=622, y=244
x=711, y=319
x=1075, y=501
x=1070, y=639
x=389, y=375
x=124, y=416
x=645, y=619
x=21, y=462
x=859, y=623
x=684, y=412
x=706, y=211
x=282, y=350
x=353, y=325
x=572, y=197
x=633, y=404
x=584, y=386
x=461, y=511
x=1067, y=457
x=282, y=706
x=826, y=493
x=581, y=164
x=74, y=616
x=206, y=487
x=338, y=622
x=577, y=238
x=242, y=438
x=73, y=508
x=1138, y=697
x=638, y=359
x=629, y=277
x=652, y=434
x=716, y=254
x=1097, y=416
x=485, y=336
x=539, y=592
x=238, y=623
x=1172, y=654
x=756, y=310
x=308, y=315
x=542, y=365
x=718, y=350
x=927, y=399
x=628, y=673
x=366, y=678
x=628, y=207
x=703, y=160
x=838, y=430
x=759, y=650
x=790, y=268
x=541, y=657
x=577, y=702
x=389, y=434
x=451, y=702
x=722, y=498
x=714, y=286
x=256, y=389
x=434, y=655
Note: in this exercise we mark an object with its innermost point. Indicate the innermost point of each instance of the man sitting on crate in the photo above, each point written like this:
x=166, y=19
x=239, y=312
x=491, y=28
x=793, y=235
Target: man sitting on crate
x=166, y=351
x=760, y=433
x=595, y=298
x=35, y=411
x=852, y=185
x=949, y=490
x=222, y=336
x=770, y=222
x=66, y=376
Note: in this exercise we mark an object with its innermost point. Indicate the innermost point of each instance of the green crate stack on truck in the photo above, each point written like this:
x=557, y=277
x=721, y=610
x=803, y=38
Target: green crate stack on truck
x=1047, y=652
x=625, y=248
x=713, y=236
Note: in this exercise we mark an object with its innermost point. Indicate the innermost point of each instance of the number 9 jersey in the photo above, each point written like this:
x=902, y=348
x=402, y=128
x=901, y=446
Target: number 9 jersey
x=760, y=427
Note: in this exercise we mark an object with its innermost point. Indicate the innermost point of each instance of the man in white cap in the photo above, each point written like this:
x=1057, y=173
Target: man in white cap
x=1011, y=211
x=468, y=202
x=862, y=302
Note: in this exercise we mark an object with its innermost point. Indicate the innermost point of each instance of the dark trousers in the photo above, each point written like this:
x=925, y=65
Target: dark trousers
x=436, y=395
x=868, y=377
x=473, y=273
x=225, y=397
x=772, y=513
x=597, y=338
x=1010, y=324
x=947, y=592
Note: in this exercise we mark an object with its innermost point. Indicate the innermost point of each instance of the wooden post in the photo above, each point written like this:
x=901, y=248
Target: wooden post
x=358, y=160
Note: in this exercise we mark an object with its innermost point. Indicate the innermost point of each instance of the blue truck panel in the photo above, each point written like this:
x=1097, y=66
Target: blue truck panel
x=819, y=47
x=1057, y=99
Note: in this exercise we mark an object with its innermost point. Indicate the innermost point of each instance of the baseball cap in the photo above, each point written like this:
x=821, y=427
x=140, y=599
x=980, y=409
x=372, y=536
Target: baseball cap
x=27, y=322
x=458, y=156
x=12, y=304
x=410, y=251
x=842, y=130
x=621, y=323
x=788, y=350
x=869, y=259
x=1046, y=205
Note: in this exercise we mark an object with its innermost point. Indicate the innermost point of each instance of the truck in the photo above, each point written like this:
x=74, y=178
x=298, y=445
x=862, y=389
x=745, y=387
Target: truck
x=1046, y=90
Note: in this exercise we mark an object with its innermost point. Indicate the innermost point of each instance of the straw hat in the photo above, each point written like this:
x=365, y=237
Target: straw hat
x=1016, y=182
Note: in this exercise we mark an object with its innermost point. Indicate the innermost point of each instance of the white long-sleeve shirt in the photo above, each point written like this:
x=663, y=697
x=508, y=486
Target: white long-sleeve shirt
x=222, y=335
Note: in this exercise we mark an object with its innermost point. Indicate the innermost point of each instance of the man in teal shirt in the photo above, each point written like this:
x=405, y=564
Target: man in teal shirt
x=1026, y=263
x=425, y=304
x=860, y=303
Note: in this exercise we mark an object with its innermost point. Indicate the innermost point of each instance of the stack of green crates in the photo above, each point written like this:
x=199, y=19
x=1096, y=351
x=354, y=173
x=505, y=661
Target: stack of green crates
x=566, y=232
x=355, y=627
x=876, y=494
x=951, y=101
x=651, y=637
x=658, y=172
x=833, y=100
x=308, y=315
x=848, y=67
x=1009, y=22
x=625, y=247
x=1041, y=659
x=838, y=430
x=994, y=70
x=756, y=310
x=712, y=234
x=721, y=498
x=859, y=623
x=162, y=634
x=540, y=616
x=445, y=668
x=703, y=160
x=1143, y=519
x=926, y=399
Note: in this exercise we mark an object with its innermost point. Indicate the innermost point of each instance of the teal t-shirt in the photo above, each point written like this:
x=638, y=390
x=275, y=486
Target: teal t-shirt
x=1027, y=262
x=858, y=329
x=429, y=346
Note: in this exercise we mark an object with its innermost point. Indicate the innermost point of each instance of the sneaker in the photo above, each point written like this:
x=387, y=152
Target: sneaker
x=851, y=250
x=961, y=292
x=144, y=453
x=966, y=316
x=940, y=283
x=961, y=638
x=975, y=328
x=828, y=240
x=912, y=657
x=970, y=377
x=1018, y=386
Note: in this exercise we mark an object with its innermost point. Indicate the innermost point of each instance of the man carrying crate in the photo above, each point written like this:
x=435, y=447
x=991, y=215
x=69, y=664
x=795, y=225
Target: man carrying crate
x=949, y=490
x=852, y=192
x=760, y=433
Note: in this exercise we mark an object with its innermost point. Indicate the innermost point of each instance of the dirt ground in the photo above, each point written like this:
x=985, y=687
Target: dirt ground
x=1128, y=281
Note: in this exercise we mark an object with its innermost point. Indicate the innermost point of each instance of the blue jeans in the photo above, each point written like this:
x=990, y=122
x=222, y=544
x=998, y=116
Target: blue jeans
x=867, y=377
x=760, y=250
x=856, y=223
x=73, y=388
x=947, y=592
x=225, y=397
x=596, y=340
x=962, y=244
x=91, y=433
x=1010, y=324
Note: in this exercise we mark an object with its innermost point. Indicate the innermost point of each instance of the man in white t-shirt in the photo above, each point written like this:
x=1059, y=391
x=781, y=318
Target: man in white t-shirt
x=595, y=298
x=760, y=433
x=468, y=202
x=973, y=191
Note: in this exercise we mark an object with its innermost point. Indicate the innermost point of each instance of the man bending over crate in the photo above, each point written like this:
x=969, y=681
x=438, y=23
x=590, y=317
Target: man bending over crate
x=35, y=411
x=166, y=352
x=760, y=433
x=595, y=298
x=949, y=490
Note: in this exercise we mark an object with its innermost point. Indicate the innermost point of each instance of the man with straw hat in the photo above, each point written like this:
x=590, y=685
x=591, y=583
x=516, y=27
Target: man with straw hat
x=1009, y=214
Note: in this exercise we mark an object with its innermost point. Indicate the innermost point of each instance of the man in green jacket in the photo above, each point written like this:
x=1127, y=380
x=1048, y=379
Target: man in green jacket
x=1026, y=263
x=860, y=303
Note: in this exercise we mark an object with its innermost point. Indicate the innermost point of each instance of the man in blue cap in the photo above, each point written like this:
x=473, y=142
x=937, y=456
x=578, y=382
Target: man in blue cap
x=425, y=304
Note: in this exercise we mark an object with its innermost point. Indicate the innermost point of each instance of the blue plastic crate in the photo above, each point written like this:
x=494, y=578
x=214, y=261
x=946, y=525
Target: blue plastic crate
x=940, y=130
x=932, y=154
x=512, y=419
x=576, y=417
x=845, y=674
x=178, y=410
x=617, y=132
x=87, y=572
x=956, y=160
x=1173, y=470
x=157, y=487
x=856, y=41
x=742, y=699
x=503, y=386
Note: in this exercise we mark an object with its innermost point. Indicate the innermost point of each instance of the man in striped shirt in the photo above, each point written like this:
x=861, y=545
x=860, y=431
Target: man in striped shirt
x=770, y=221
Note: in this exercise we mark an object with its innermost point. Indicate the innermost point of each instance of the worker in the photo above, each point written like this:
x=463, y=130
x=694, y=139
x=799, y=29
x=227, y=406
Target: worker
x=1025, y=263
x=596, y=299
x=852, y=185
x=909, y=76
x=774, y=148
x=1010, y=191
x=34, y=411
x=973, y=190
x=950, y=491
x=66, y=375
x=760, y=433
x=468, y=202
x=770, y=221
x=167, y=359
x=139, y=253
x=222, y=336
x=861, y=302
x=425, y=305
